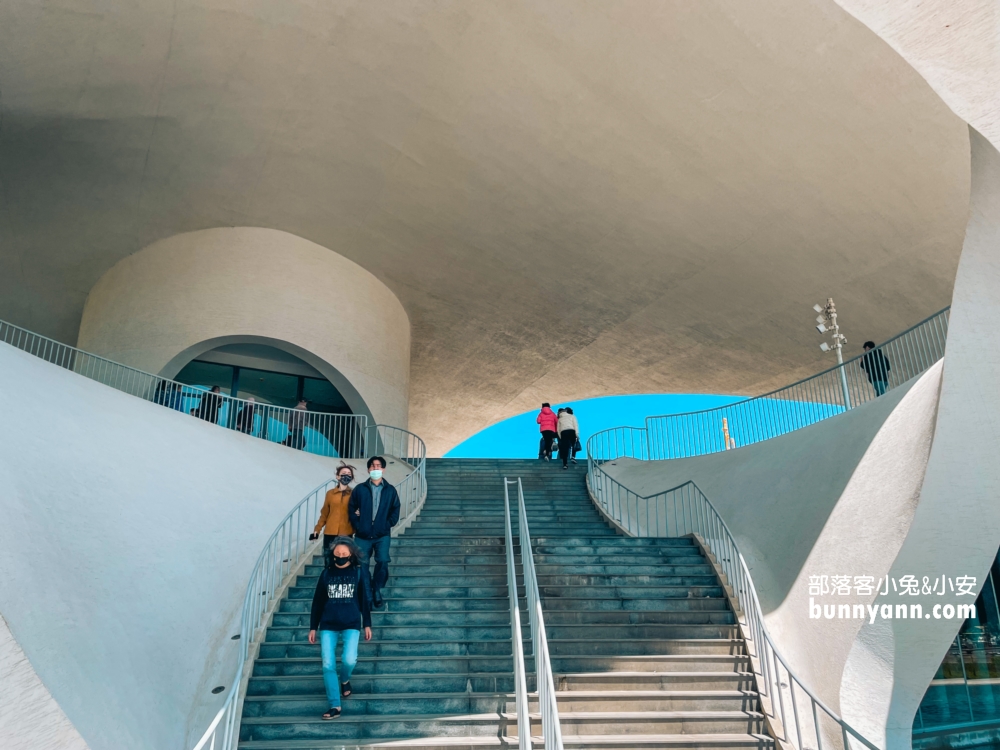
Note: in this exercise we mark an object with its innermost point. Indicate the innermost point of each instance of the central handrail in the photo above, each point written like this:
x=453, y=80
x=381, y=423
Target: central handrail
x=517, y=645
x=547, y=705
x=685, y=510
x=287, y=549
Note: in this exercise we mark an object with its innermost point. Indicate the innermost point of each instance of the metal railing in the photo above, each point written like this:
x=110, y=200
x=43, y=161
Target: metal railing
x=806, y=402
x=337, y=435
x=683, y=511
x=547, y=705
x=284, y=553
x=517, y=645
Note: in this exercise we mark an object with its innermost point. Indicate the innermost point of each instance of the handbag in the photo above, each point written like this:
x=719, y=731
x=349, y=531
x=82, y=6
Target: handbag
x=577, y=447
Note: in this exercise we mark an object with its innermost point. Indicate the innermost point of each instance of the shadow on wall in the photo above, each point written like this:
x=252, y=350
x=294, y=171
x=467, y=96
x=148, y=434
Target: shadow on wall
x=517, y=437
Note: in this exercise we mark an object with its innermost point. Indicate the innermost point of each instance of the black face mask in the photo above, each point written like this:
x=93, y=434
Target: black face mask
x=341, y=562
x=345, y=479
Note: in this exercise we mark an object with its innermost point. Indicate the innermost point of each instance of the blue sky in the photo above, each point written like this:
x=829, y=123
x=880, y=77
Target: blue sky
x=517, y=437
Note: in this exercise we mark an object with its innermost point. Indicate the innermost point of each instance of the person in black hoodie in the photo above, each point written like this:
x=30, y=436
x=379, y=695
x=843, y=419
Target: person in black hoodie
x=341, y=607
x=374, y=509
x=876, y=366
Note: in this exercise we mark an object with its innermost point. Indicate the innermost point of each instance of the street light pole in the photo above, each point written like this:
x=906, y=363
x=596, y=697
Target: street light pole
x=827, y=322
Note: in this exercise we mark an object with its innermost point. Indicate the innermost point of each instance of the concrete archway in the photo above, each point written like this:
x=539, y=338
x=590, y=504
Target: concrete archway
x=177, y=298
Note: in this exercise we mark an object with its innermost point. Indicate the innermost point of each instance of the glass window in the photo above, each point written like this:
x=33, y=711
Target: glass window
x=269, y=387
x=207, y=374
x=322, y=396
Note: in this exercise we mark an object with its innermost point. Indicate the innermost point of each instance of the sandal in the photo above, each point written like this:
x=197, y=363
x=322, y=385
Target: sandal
x=333, y=713
x=345, y=689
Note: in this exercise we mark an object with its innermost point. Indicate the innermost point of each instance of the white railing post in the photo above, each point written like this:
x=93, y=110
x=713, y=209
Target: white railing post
x=516, y=643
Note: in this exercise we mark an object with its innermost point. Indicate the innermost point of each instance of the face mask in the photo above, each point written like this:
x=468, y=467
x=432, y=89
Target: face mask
x=340, y=562
x=375, y=473
x=344, y=479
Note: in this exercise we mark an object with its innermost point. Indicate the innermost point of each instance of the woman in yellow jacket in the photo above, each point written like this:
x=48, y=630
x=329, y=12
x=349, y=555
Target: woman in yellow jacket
x=333, y=518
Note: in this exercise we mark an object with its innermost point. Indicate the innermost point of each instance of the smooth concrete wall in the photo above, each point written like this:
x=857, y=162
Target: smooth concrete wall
x=836, y=498
x=30, y=719
x=177, y=298
x=956, y=530
x=127, y=535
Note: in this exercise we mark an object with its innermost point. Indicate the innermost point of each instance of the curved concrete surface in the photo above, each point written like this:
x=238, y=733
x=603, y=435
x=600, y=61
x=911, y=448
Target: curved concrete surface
x=127, y=534
x=30, y=719
x=569, y=199
x=956, y=530
x=835, y=498
x=163, y=306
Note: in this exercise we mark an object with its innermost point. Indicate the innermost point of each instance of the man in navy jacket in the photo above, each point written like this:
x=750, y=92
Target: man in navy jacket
x=374, y=509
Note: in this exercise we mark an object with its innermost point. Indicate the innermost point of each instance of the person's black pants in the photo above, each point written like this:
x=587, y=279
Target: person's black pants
x=380, y=547
x=567, y=439
x=548, y=436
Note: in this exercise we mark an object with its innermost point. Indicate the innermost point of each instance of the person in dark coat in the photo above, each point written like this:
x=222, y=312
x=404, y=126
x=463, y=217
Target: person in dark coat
x=341, y=607
x=374, y=509
x=208, y=408
x=876, y=366
x=244, y=420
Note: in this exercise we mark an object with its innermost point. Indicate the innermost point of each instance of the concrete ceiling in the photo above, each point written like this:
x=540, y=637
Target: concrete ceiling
x=569, y=198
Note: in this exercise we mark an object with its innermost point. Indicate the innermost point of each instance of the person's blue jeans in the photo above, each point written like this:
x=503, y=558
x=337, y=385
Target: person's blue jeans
x=348, y=659
x=380, y=547
x=880, y=387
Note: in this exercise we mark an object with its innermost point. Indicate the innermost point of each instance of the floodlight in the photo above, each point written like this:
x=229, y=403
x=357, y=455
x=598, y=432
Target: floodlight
x=824, y=347
x=820, y=319
x=817, y=308
x=821, y=328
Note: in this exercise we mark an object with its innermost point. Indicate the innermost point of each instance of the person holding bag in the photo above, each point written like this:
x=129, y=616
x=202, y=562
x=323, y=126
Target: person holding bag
x=334, y=520
x=568, y=431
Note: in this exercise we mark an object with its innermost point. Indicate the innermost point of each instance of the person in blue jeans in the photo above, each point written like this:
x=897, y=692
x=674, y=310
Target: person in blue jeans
x=374, y=509
x=341, y=607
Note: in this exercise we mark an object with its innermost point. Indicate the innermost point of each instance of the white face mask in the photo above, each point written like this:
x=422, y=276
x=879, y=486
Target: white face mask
x=375, y=473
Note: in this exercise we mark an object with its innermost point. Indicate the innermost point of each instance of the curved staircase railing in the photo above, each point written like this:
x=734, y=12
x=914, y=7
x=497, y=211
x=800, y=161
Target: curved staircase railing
x=336, y=435
x=285, y=552
x=800, y=404
x=796, y=716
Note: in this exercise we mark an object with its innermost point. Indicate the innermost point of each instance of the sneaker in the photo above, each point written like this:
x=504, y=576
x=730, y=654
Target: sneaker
x=573, y=460
x=565, y=468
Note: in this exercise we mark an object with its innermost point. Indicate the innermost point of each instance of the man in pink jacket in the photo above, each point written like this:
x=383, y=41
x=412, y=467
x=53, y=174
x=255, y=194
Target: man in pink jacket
x=547, y=422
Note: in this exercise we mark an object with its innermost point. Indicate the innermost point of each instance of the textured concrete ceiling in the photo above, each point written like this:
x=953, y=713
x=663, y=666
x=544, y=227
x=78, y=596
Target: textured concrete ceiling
x=570, y=198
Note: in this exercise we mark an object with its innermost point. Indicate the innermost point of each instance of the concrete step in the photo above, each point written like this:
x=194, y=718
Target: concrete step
x=643, y=680
x=413, y=684
x=385, y=727
x=682, y=662
x=660, y=722
x=656, y=700
x=312, y=665
x=393, y=704
x=445, y=633
x=301, y=648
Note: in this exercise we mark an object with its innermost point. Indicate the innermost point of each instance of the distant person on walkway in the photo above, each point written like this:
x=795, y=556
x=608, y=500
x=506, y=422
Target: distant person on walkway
x=297, y=421
x=568, y=430
x=208, y=408
x=374, y=509
x=244, y=420
x=334, y=519
x=170, y=395
x=548, y=423
x=341, y=607
x=876, y=366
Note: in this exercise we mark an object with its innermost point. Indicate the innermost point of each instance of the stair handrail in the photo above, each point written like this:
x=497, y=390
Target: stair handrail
x=547, y=704
x=344, y=434
x=685, y=510
x=781, y=411
x=285, y=551
x=517, y=646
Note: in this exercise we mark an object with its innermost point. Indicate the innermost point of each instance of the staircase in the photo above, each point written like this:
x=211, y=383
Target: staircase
x=643, y=643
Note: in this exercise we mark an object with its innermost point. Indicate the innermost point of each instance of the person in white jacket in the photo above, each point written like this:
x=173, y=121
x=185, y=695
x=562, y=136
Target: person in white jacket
x=569, y=430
